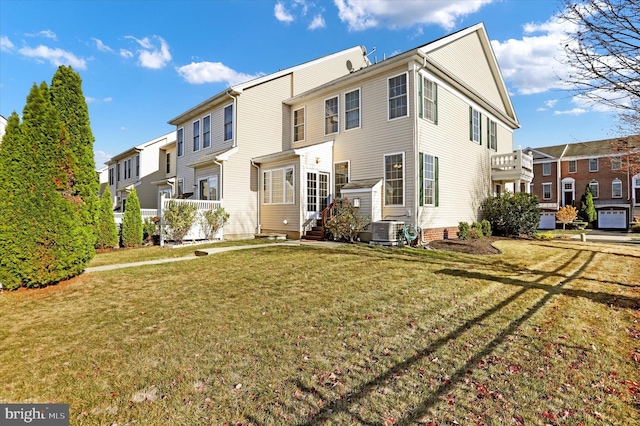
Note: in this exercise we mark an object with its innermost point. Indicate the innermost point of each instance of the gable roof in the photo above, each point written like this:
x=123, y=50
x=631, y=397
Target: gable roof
x=422, y=54
x=599, y=148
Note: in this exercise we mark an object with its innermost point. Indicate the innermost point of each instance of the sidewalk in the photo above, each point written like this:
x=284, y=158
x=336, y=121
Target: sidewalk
x=610, y=237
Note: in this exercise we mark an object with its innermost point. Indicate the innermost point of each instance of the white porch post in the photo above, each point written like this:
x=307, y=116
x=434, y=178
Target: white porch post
x=517, y=186
x=161, y=211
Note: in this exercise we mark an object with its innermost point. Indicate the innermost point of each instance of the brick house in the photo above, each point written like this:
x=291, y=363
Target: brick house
x=562, y=173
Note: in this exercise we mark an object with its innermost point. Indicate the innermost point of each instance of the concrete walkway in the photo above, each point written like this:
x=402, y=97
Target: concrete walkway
x=208, y=251
x=597, y=235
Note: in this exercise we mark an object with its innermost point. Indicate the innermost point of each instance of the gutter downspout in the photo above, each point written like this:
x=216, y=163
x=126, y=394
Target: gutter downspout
x=221, y=195
x=416, y=156
x=559, y=189
x=259, y=226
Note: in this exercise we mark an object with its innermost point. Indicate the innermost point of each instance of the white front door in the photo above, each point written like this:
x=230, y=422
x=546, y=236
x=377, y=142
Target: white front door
x=317, y=194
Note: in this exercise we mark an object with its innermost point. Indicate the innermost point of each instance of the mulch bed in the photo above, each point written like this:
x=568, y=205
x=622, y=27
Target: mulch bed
x=481, y=247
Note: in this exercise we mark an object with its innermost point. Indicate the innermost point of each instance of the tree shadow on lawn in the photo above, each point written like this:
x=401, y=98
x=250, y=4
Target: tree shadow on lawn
x=342, y=404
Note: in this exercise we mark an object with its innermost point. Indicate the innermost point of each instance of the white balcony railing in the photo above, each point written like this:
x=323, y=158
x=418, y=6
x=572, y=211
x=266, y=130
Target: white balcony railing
x=511, y=167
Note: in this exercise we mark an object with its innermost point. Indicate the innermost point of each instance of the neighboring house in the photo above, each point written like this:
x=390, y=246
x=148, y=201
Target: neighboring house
x=103, y=178
x=562, y=173
x=3, y=127
x=422, y=137
x=217, y=139
x=149, y=168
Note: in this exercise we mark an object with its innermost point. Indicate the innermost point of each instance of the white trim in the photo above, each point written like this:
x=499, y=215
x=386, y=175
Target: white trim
x=384, y=179
x=423, y=98
x=324, y=120
x=284, y=188
x=344, y=97
x=597, y=165
x=333, y=173
x=550, y=187
x=193, y=136
x=233, y=122
x=616, y=181
x=406, y=75
x=293, y=124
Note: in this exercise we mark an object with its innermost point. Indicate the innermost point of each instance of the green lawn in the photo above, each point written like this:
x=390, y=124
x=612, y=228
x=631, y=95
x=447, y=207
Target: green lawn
x=546, y=333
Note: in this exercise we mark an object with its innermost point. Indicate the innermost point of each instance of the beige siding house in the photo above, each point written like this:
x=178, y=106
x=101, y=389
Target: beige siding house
x=149, y=168
x=422, y=137
x=217, y=139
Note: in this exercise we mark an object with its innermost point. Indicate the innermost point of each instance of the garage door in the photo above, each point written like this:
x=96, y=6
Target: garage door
x=547, y=220
x=612, y=219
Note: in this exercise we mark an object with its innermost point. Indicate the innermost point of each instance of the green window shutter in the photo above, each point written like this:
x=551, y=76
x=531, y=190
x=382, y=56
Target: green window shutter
x=421, y=177
x=471, y=124
x=436, y=190
x=420, y=100
x=488, y=134
x=480, y=124
x=435, y=103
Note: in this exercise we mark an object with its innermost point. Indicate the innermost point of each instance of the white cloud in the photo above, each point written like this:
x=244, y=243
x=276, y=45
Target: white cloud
x=44, y=33
x=5, y=44
x=100, y=158
x=360, y=15
x=154, y=55
x=282, y=14
x=101, y=46
x=213, y=72
x=318, y=22
x=551, y=103
x=91, y=100
x=55, y=56
x=574, y=111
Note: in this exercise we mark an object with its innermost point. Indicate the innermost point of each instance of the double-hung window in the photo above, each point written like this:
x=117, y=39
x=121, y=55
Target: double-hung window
x=111, y=177
x=206, y=131
x=394, y=179
x=428, y=180
x=278, y=186
x=352, y=110
x=429, y=100
x=593, y=164
x=546, y=169
x=298, y=125
x=196, y=135
x=127, y=169
x=137, y=165
x=228, y=123
x=168, y=162
x=398, y=102
x=616, y=163
x=180, y=139
x=341, y=176
x=546, y=191
x=616, y=188
x=595, y=188
x=118, y=170
x=572, y=166
x=331, y=116
x=492, y=133
x=475, y=125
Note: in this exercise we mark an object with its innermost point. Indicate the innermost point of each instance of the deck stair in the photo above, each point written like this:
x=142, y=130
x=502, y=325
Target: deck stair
x=316, y=233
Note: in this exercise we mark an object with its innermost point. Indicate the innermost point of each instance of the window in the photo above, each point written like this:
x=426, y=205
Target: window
x=206, y=131
x=168, y=162
x=546, y=169
x=341, y=176
x=228, y=123
x=428, y=180
x=394, y=179
x=429, y=101
x=180, y=137
x=616, y=188
x=475, y=125
x=137, y=165
x=180, y=187
x=298, y=125
x=572, y=166
x=546, y=191
x=492, y=133
x=278, y=186
x=196, y=136
x=595, y=189
x=331, y=116
x=118, y=170
x=593, y=164
x=111, y=180
x=209, y=188
x=616, y=163
x=127, y=169
x=317, y=191
x=398, y=97
x=352, y=110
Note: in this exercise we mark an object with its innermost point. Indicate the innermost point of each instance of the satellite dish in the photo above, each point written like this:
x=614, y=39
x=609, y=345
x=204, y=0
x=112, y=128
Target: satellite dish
x=349, y=66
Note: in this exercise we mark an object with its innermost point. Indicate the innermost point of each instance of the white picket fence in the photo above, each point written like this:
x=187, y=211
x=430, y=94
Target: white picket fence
x=195, y=233
x=145, y=213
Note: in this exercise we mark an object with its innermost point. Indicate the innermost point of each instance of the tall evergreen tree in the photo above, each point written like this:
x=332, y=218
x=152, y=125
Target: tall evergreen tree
x=587, y=210
x=132, y=231
x=42, y=234
x=107, y=231
x=68, y=99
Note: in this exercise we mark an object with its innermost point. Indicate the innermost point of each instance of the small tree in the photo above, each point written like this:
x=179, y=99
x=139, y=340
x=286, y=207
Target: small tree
x=346, y=223
x=107, y=231
x=512, y=214
x=566, y=215
x=212, y=220
x=587, y=209
x=132, y=221
x=178, y=219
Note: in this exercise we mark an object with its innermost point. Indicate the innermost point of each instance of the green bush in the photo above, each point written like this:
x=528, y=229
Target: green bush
x=132, y=232
x=464, y=231
x=178, y=219
x=543, y=235
x=486, y=228
x=513, y=214
x=106, y=229
x=475, y=231
x=212, y=220
x=345, y=223
x=149, y=228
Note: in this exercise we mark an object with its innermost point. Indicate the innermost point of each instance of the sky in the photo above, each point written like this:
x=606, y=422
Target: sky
x=144, y=62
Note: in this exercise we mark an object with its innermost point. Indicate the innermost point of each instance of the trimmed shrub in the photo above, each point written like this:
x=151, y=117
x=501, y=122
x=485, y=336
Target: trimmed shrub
x=106, y=229
x=513, y=214
x=486, y=228
x=464, y=231
x=212, y=220
x=178, y=219
x=346, y=223
x=544, y=235
x=132, y=232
